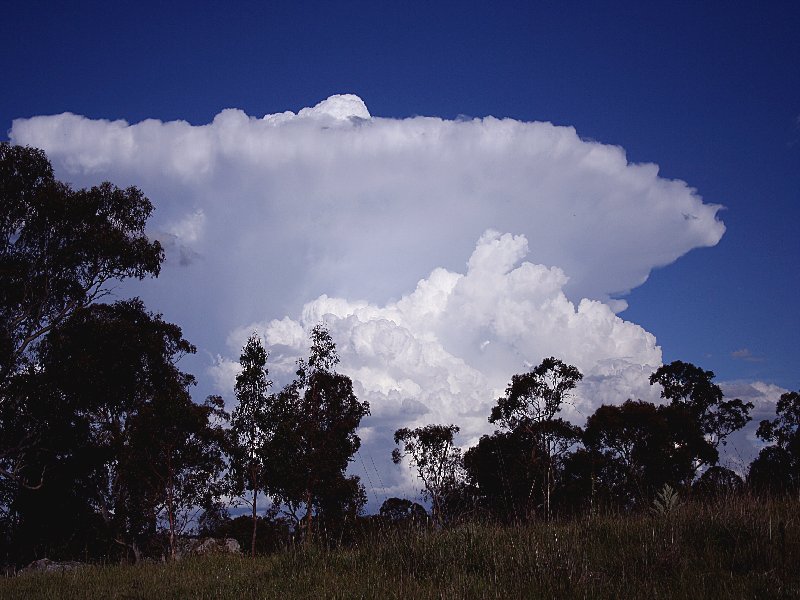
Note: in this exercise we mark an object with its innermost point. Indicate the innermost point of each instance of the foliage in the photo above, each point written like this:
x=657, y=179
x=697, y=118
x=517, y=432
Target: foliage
x=118, y=432
x=431, y=452
x=666, y=502
x=530, y=404
x=59, y=248
x=402, y=510
x=535, y=396
x=315, y=438
x=59, y=251
x=777, y=467
x=252, y=428
x=690, y=386
x=643, y=447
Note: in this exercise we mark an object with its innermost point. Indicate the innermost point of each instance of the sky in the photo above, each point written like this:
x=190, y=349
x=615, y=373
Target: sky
x=457, y=190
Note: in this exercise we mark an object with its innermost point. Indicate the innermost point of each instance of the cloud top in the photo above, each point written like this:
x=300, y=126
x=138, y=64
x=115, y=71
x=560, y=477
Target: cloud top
x=368, y=203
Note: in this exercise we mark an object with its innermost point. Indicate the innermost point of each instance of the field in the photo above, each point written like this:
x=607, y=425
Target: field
x=740, y=548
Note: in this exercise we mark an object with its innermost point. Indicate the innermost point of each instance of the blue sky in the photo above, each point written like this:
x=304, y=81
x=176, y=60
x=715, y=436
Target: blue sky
x=710, y=92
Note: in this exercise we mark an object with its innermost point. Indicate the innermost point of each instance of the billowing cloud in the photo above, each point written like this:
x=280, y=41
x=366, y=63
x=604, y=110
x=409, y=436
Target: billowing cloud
x=362, y=205
x=444, y=352
x=333, y=214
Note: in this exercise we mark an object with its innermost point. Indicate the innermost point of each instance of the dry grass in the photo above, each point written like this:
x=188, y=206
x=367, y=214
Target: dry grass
x=742, y=548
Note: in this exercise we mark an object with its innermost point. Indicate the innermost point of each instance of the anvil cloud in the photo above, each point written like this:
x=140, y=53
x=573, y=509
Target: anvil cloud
x=273, y=224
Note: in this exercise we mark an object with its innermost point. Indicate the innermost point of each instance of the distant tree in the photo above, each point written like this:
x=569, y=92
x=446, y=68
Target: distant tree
x=402, y=510
x=116, y=425
x=437, y=461
x=777, y=467
x=531, y=403
x=718, y=481
x=176, y=449
x=59, y=251
x=643, y=447
x=315, y=438
x=686, y=385
x=252, y=427
x=500, y=468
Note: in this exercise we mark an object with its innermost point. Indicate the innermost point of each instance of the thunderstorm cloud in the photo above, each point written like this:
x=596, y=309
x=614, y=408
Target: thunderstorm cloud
x=444, y=255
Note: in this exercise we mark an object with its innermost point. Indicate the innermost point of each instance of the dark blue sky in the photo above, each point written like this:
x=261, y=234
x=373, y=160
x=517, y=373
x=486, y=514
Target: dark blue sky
x=708, y=91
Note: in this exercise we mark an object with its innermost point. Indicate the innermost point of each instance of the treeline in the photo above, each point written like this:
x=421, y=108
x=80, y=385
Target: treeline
x=629, y=457
x=104, y=455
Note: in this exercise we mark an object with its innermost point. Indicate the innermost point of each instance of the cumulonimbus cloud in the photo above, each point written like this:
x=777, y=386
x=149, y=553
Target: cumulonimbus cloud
x=334, y=214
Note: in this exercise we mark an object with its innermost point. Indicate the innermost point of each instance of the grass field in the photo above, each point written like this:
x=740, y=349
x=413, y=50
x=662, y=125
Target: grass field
x=742, y=548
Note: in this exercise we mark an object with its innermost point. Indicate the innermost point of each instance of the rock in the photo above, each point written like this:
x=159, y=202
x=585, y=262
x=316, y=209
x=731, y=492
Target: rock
x=208, y=545
x=45, y=565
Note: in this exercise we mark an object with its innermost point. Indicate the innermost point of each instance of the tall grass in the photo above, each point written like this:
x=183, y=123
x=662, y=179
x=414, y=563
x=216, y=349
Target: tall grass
x=736, y=548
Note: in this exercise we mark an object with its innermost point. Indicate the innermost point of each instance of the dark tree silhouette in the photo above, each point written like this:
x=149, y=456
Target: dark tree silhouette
x=641, y=447
x=431, y=452
x=59, y=249
x=690, y=386
x=531, y=403
x=114, y=417
x=315, y=438
x=252, y=427
x=502, y=473
x=402, y=510
x=777, y=467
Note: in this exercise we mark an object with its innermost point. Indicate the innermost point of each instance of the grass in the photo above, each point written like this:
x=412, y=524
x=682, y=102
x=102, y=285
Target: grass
x=742, y=548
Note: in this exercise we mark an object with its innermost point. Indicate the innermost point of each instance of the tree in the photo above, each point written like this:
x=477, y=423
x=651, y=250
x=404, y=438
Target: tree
x=59, y=250
x=642, y=447
x=252, y=426
x=501, y=469
x=175, y=451
x=316, y=418
x=777, y=467
x=531, y=402
x=690, y=386
x=431, y=452
x=118, y=430
x=402, y=510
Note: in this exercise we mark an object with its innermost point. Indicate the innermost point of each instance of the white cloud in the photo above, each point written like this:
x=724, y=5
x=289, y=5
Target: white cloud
x=259, y=215
x=743, y=446
x=444, y=352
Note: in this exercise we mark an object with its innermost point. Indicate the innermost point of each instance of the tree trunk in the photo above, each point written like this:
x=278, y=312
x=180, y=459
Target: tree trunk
x=255, y=524
x=308, y=517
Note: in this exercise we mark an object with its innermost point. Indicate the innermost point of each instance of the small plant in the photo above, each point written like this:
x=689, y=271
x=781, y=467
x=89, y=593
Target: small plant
x=666, y=502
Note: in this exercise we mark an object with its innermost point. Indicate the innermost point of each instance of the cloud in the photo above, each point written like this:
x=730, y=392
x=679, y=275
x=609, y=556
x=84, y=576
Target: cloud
x=444, y=352
x=745, y=355
x=743, y=446
x=362, y=205
x=334, y=214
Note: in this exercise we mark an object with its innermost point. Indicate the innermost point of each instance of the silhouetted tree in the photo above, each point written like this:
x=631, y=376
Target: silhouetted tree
x=686, y=385
x=642, y=447
x=116, y=425
x=252, y=427
x=401, y=510
x=531, y=402
x=501, y=470
x=718, y=481
x=315, y=438
x=59, y=249
x=175, y=452
x=777, y=467
x=431, y=452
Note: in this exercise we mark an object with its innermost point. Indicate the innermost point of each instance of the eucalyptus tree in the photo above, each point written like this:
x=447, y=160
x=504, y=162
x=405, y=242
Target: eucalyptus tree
x=252, y=427
x=777, y=467
x=530, y=404
x=60, y=251
x=431, y=451
x=685, y=384
x=316, y=418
